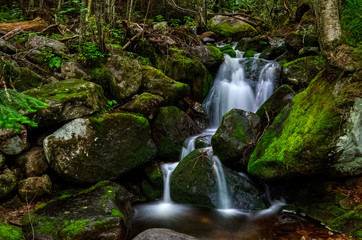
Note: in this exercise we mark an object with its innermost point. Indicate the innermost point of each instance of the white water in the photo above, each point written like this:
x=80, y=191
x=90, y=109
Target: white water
x=224, y=197
x=167, y=170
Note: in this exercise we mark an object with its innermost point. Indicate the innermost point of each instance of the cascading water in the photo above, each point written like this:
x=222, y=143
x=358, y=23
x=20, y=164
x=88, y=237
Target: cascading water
x=224, y=199
x=167, y=169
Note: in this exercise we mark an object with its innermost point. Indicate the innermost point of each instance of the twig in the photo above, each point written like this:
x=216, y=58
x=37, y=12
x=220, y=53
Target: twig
x=48, y=27
x=132, y=39
x=267, y=115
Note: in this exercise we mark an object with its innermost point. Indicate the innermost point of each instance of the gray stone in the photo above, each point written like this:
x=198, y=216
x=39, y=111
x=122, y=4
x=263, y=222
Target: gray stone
x=33, y=163
x=71, y=70
x=162, y=234
x=11, y=142
x=147, y=104
x=46, y=44
x=34, y=187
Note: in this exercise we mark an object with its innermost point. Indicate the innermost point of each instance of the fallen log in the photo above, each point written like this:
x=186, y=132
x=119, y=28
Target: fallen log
x=36, y=25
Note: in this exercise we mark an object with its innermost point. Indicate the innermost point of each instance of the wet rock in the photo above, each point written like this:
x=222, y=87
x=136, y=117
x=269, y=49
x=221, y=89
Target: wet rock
x=71, y=70
x=155, y=82
x=257, y=44
x=11, y=232
x=33, y=163
x=33, y=187
x=146, y=103
x=228, y=49
x=11, y=142
x=210, y=56
x=198, y=114
x=194, y=181
x=170, y=129
x=8, y=182
x=121, y=140
x=273, y=52
x=231, y=27
x=162, y=234
x=100, y=212
x=154, y=174
x=300, y=72
x=235, y=137
x=68, y=99
x=6, y=47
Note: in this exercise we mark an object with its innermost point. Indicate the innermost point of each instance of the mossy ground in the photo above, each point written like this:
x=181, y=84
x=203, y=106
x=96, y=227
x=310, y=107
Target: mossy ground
x=11, y=232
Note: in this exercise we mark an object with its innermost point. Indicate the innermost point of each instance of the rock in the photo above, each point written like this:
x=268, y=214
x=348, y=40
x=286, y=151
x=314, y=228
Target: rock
x=70, y=70
x=300, y=72
x=21, y=77
x=11, y=142
x=210, y=56
x=197, y=113
x=127, y=74
x=162, y=234
x=43, y=44
x=33, y=163
x=147, y=104
x=170, y=129
x=257, y=44
x=208, y=36
x=6, y=47
x=8, y=182
x=154, y=174
x=231, y=27
x=303, y=138
x=235, y=137
x=11, y=232
x=100, y=212
x=273, y=52
x=68, y=99
x=121, y=140
x=281, y=97
x=249, y=54
x=299, y=39
x=155, y=82
x=189, y=70
x=2, y=160
x=228, y=49
x=160, y=26
x=194, y=182
x=349, y=145
x=150, y=191
x=33, y=187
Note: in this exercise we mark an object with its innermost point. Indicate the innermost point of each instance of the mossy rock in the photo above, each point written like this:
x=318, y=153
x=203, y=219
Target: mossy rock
x=155, y=82
x=8, y=181
x=102, y=210
x=170, y=129
x=22, y=78
x=210, y=56
x=273, y=52
x=299, y=39
x=146, y=103
x=235, y=137
x=122, y=141
x=249, y=53
x=35, y=187
x=11, y=232
x=229, y=50
x=190, y=70
x=230, y=27
x=300, y=72
x=194, y=182
x=151, y=191
x=257, y=44
x=302, y=139
x=68, y=99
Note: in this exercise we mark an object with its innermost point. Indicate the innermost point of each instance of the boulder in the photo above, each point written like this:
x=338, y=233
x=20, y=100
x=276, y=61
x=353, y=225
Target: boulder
x=152, y=186
x=210, y=56
x=6, y=47
x=162, y=234
x=299, y=39
x=231, y=27
x=72, y=70
x=68, y=99
x=146, y=103
x=303, y=138
x=46, y=45
x=87, y=150
x=273, y=52
x=235, y=137
x=170, y=129
x=257, y=44
x=194, y=181
x=34, y=187
x=183, y=68
x=11, y=232
x=229, y=50
x=33, y=163
x=300, y=72
x=155, y=82
x=22, y=78
x=13, y=142
x=8, y=182
x=100, y=212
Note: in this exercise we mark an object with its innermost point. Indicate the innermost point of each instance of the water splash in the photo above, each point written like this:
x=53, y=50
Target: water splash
x=223, y=193
x=167, y=170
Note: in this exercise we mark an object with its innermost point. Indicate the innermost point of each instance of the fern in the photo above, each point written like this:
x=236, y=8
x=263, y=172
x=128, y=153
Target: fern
x=13, y=108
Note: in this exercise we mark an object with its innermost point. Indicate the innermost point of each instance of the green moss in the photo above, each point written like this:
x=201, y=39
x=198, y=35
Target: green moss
x=249, y=53
x=104, y=78
x=216, y=53
x=309, y=126
x=350, y=221
x=228, y=50
x=72, y=229
x=234, y=30
x=11, y=232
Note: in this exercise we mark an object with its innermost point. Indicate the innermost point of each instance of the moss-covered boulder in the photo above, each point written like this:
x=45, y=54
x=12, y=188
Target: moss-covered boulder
x=235, y=137
x=146, y=103
x=33, y=187
x=68, y=99
x=8, y=181
x=229, y=50
x=155, y=82
x=22, y=78
x=303, y=137
x=299, y=39
x=11, y=232
x=88, y=150
x=273, y=52
x=73, y=70
x=100, y=212
x=194, y=181
x=300, y=72
x=231, y=27
x=257, y=44
x=152, y=186
x=170, y=129
x=187, y=69
x=210, y=56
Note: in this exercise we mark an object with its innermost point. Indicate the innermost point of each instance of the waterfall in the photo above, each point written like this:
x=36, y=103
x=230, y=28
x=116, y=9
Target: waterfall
x=223, y=193
x=167, y=170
